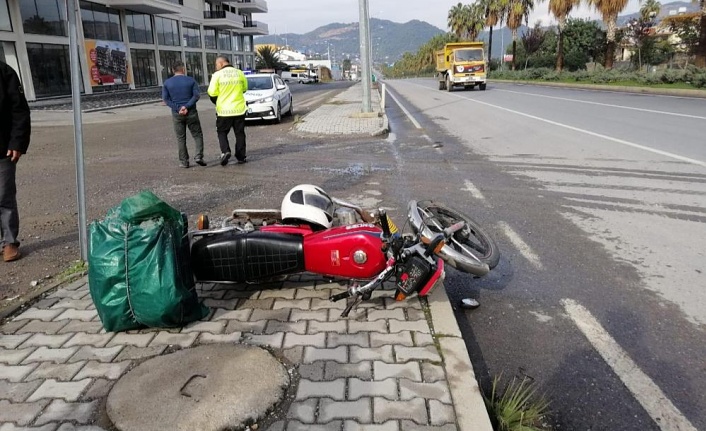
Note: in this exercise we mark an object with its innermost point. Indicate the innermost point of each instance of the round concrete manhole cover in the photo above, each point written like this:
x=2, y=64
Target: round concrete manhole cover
x=210, y=387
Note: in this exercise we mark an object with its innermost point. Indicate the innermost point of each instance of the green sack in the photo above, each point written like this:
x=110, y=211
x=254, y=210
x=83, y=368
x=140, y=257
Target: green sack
x=139, y=271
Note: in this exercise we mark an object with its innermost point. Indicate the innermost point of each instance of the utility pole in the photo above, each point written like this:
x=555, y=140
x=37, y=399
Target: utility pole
x=78, y=127
x=365, y=53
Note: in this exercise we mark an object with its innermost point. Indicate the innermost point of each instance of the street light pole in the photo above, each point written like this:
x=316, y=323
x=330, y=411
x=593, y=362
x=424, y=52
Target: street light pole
x=78, y=127
x=365, y=53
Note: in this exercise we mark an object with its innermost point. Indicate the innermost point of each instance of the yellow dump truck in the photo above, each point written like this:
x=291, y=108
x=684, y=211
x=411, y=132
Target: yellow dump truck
x=461, y=64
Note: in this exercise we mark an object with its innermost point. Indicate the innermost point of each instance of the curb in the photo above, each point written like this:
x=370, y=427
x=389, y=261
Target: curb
x=29, y=297
x=676, y=92
x=471, y=414
x=105, y=108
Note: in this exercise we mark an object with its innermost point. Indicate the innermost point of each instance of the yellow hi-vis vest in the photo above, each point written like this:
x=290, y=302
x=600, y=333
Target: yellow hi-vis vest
x=228, y=85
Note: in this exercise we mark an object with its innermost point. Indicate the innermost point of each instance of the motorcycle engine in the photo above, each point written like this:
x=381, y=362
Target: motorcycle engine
x=344, y=216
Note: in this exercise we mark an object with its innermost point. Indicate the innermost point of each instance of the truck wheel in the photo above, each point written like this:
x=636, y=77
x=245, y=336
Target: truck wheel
x=449, y=85
x=482, y=87
x=442, y=85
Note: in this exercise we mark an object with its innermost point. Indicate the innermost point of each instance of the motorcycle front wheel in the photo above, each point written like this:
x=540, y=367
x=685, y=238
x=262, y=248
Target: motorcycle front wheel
x=472, y=240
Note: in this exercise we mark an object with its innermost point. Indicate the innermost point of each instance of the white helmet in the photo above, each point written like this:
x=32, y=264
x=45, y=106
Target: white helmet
x=308, y=203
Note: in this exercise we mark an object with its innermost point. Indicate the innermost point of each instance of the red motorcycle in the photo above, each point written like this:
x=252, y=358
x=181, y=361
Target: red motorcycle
x=314, y=232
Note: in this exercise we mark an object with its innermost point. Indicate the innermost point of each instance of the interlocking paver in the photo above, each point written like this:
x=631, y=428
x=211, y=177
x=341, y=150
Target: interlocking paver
x=285, y=293
x=44, y=354
x=382, y=353
x=359, y=388
x=313, y=371
x=12, y=326
x=99, y=389
x=20, y=413
x=317, y=315
x=312, y=293
x=260, y=304
x=335, y=389
x=17, y=392
x=433, y=391
x=228, y=304
x=69, y=391
x=233, y=337
x=14, y=356
x=415, y=314
x=409, y=370
x=60, y=372
x=90, y=353
x=359, y=410
x=336, y=339
x=223, y=314
x=397, y=326
x=15, y=373
x=421, y=340
x=362, y=370
x=40, y=326
x=38, y=314
x=281, y=314
x=169, y=339
x=132, y=352
x=298, y=426
x=316, y=326
x=355, y=326
x=314, y=340
x=214, y=294
x=75, y=285
x=302, y=304
x=303, y=411
x=426, y=353
x=86, y=339
x=79, y=326
x=397, y=314
x=110, y=371
x=320, y=304
x=294, y=354
x=214, y=328
x=288, y=327
x=12, y=341
x=246, y=327
x=432, y=372
x=355, y=426
x=241, y=294
x=62, y=293
x=415, y=410
x=60, y=410
x=54, y=341
x=76, y=304
x=409, y=305
x=273, y=340
x=440, y=413
x=137, y=340
x=82, y=315
x=313, y=354
x=72, y=427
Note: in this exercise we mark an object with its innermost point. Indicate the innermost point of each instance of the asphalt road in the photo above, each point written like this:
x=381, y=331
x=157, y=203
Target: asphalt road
x=598, y=201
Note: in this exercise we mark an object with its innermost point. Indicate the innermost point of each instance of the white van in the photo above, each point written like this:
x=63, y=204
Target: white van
x=300, y=76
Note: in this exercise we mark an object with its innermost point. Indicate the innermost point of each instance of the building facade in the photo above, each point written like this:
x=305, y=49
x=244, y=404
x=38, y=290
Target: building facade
x=125, y=44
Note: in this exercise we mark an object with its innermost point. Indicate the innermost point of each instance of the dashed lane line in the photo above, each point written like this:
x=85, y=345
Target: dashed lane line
x=521, y=246
x=471, y=188
x=645, y=391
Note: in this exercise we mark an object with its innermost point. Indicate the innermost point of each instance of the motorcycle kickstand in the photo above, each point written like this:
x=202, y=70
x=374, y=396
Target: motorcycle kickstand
x=354, y=304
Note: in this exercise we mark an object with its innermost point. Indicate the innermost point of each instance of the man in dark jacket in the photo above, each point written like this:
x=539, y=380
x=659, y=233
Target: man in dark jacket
x=15, y=128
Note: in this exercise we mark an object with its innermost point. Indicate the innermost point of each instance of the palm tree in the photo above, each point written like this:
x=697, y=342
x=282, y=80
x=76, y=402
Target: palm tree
x=456, y=20
x=518, y=12
x=493, y=16
x=475, y=20
x=650, y=10
x=561, y=9
x=609, y=10
x=268, y=58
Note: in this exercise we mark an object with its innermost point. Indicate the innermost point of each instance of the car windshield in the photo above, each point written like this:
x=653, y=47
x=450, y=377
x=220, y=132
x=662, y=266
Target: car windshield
x=469, y=55
x=259, y=83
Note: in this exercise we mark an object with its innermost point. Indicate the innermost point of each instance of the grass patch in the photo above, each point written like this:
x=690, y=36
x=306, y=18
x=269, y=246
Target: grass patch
x=519, y=408
x=78, y=267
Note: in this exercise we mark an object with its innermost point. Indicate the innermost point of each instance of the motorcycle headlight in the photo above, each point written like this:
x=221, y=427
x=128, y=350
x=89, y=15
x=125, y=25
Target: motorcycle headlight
x=459, y=69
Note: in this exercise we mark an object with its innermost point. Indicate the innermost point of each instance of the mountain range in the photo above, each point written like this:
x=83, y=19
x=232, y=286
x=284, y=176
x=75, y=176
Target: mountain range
x=390, y=40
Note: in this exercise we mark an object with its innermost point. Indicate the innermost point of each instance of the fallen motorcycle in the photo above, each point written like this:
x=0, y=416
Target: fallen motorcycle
x=316, y=233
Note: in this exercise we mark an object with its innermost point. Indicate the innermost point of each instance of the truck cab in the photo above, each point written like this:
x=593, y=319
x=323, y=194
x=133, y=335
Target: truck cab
x=461, y=64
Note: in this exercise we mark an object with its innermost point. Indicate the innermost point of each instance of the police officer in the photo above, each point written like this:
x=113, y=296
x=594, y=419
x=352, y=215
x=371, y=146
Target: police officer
x=226, y=90
x=15, y=128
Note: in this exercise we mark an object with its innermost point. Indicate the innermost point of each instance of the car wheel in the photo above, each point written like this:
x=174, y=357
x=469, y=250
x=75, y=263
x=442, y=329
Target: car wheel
x=278, y=114
x=291, y=107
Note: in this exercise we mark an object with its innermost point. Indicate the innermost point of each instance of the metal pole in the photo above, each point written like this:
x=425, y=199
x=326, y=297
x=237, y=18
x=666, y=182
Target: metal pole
x=78, y=126
x=365, y=53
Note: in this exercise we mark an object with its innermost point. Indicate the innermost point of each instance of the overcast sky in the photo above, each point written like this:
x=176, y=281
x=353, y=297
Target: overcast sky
x=291, y=16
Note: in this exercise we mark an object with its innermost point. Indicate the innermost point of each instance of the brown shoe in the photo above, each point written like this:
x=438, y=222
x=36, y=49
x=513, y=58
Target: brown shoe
x=11, y=252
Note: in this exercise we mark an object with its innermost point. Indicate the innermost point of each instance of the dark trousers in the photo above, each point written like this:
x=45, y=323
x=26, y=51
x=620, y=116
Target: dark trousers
x=9, y=217
x=223, y=126
x=181, y=122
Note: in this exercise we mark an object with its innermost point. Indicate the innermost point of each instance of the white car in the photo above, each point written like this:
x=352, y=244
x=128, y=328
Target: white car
x=268, y=97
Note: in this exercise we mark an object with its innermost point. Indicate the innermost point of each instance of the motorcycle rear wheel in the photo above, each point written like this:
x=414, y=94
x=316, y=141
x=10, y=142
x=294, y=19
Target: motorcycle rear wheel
x=471, y=240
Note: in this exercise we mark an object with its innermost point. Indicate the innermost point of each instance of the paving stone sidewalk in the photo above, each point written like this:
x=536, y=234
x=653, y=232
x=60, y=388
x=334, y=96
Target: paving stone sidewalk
x=381, y=369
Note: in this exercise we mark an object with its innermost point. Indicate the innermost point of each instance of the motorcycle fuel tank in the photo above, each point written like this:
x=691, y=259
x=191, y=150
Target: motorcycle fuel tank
x=353, y=251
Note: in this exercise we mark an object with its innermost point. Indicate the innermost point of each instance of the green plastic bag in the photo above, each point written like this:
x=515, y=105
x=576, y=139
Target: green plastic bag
x=139, y=271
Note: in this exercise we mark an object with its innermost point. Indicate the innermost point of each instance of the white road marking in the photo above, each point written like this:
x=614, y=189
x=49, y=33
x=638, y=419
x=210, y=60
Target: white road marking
x=647, y=393
x=470, y=187
x=314, y=100
x=652, y=111
x=588, y=132
x=407, y=113
x=522, y=246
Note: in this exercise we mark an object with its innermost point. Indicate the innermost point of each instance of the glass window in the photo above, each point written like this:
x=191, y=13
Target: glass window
x=237, y=42
x=167, y=60
x=259, y=83
x=209, y=37
x=100, y=22
x=239, y=62
x=224, y=41
x=144, y=68
x=167, y=31
x=247, y=43
x=5, y=24
x=192, y=35
x=49, y=64
x=139, y=27
x=44, y=17
x=211, y=64
x=194, y=66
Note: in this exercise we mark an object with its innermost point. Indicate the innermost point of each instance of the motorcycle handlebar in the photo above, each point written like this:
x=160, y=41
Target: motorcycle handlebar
x=451, y=230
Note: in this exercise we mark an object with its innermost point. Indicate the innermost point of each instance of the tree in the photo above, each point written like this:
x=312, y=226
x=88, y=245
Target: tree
x=456, y=20
x=584, y=41
x=517, y=13
x=561, y=9
x=268, y=58
x=493, y=16
x=346, y=64
x=532, y=40
x=686, y=27
x=701, y=47
x=609, y=10
x=475, y=20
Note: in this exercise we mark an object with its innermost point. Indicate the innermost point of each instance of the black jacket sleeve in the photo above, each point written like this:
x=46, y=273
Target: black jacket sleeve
x=21, y=125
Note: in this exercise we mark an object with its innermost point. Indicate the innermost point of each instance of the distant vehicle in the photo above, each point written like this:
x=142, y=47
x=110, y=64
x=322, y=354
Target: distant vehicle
x=268, y=97
x=461, y=64
x=302, y=76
